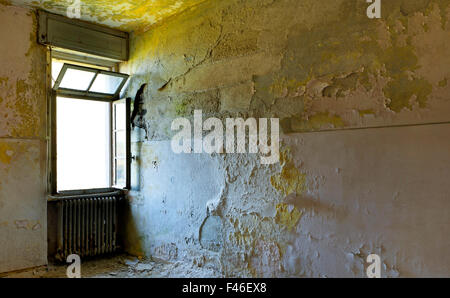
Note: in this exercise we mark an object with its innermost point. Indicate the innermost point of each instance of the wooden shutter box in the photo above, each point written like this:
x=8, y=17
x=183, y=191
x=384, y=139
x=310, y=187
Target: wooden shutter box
x=61, y=32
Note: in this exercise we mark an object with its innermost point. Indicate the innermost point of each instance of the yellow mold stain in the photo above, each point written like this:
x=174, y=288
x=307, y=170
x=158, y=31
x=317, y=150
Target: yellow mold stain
x=24, y=100
x=287, y=87
x=6, y=153
x=128, y=15
x=290, y=180
x=25, y=110
x=287, y=216
x=317, y=122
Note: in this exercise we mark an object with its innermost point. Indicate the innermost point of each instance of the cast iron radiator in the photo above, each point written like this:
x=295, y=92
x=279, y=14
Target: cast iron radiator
x=87, y=225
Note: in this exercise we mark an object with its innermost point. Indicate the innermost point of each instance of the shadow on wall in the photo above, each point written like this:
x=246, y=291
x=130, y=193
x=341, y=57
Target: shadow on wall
x=313, y=205
x=129, y=233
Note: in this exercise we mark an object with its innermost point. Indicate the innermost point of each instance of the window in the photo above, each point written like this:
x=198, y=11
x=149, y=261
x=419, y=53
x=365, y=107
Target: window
x=91, y=128
x=75, y=80
x=120, y=143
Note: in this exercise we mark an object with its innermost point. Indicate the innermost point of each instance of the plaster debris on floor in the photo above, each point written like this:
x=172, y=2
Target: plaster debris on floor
x=123, y=266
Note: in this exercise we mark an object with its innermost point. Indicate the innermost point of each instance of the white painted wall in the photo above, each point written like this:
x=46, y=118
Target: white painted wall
x=382, y=191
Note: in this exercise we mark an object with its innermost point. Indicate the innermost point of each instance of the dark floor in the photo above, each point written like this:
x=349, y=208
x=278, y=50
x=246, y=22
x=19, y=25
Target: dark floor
x=122, y=266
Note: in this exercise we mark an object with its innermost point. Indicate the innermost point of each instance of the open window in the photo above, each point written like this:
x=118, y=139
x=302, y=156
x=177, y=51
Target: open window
x=121, y=143
x=86, y=82
x=91, y=128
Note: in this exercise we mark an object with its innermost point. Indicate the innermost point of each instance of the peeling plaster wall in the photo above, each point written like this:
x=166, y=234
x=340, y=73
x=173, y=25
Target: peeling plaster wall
x=23, y=221
x=339, y=193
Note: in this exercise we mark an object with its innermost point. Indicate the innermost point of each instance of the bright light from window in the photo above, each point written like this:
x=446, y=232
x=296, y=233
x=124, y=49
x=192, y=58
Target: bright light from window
x=83, y=138
x=77, y=79
x=106, y=84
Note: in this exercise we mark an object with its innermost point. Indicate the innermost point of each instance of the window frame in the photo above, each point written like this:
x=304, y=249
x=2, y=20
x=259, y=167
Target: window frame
x=83, y=95
x=127, y=102
x=91, y=95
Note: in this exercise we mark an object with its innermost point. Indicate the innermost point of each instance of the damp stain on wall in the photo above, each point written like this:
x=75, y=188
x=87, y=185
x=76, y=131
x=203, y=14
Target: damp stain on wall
x=329, y=69
x=322, y=66
x=287, y=216
x=23, y=85
x=22, y=141
x=289, y=181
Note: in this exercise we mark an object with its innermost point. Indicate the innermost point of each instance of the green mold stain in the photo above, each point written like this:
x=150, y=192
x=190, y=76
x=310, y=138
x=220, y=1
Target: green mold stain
x=351, y=43
x=316, y=122
x=181, y=108
x=402, y=89
x=399, y=59
x=335, y=48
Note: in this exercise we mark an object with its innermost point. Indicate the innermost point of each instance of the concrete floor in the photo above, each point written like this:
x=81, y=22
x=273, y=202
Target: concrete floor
x=122, y=266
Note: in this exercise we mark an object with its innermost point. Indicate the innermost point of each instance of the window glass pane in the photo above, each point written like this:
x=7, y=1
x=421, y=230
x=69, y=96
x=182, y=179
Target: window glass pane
x=120, y=172
x=77, y=79
x=106, y=84
x=120, y=116
x=120, y=144
x=83, y=155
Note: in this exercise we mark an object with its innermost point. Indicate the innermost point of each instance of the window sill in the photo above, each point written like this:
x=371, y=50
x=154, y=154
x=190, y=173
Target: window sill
x=98, y=193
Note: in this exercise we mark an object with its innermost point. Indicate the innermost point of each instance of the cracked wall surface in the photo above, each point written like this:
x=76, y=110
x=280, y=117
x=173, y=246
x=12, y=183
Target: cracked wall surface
x=339, y=193
x=23, y=202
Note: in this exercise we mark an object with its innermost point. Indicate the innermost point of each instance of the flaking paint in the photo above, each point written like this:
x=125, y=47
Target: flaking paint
x=328, y=69
x=23, y=202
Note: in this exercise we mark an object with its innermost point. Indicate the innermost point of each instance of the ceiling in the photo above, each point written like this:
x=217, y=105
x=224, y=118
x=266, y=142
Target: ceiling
x=127, y=15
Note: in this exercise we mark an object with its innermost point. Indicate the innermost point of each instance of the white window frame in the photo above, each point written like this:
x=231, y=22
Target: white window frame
x=56, y=91
x=64, y=92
